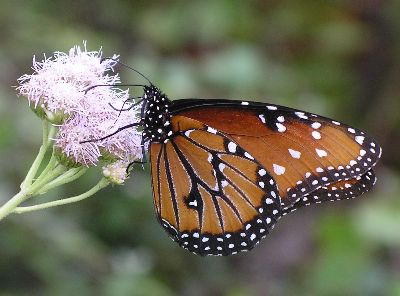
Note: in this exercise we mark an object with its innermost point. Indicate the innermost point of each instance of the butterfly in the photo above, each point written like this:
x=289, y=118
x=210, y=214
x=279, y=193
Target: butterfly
x=224, y=171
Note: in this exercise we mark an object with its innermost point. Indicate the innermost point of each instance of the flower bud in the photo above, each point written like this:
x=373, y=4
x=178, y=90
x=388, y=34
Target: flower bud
x=116, y=172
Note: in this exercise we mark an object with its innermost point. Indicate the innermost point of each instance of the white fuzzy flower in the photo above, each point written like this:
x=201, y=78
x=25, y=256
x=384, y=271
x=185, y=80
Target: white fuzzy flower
x=70, y=87
x=59, y=82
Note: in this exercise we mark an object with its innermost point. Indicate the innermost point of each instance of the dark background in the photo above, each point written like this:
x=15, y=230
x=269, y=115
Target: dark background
x=340, y=59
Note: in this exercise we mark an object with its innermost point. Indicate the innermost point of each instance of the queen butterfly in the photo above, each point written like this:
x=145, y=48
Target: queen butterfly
x=224, y=172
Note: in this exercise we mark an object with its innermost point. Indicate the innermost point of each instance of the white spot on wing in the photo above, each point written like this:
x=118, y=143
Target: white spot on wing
x=232, y=147
x=301, y=115
x=187, y=133
x=351, y=130
x=279, y=170
x=211, y=130
x=271, y=108
x=321, y=152
x=294, y=153
x=248, y=155
x=316, y=135
x=244, y=103
x=281, y=127
x=262, y=172
x=193, y=204
x=269, y=201
x=315, y=125
x=360, y=139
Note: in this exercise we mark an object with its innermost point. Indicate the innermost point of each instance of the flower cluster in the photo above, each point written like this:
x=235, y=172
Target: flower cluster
x=74, y=91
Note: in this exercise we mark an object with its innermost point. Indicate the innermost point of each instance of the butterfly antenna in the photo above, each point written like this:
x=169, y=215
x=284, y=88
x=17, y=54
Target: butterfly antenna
x=129, y=67
x=112, y=85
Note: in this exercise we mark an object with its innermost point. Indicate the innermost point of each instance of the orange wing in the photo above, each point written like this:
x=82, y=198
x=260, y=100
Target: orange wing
x=228, y=173
x=301, y=151
x=210, y=195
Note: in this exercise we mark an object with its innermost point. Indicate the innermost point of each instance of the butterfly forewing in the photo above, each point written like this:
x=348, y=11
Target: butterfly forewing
x=301, y=151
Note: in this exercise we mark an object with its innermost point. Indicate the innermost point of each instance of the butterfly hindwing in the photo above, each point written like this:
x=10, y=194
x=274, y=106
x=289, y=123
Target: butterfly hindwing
x=345, y=189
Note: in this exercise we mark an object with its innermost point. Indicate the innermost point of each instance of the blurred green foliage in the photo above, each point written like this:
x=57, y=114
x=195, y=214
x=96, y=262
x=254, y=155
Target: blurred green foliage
x=336, y=58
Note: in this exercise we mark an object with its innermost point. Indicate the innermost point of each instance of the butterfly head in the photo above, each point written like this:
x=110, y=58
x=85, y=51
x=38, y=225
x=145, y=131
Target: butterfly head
x=155, y=115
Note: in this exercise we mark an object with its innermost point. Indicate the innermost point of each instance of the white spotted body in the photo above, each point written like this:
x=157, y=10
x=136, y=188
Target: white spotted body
x=156, y=117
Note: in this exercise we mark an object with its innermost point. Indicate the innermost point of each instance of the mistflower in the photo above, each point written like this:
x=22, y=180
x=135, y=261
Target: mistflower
x=76, y=97
x=72, y=90
x=58, y=83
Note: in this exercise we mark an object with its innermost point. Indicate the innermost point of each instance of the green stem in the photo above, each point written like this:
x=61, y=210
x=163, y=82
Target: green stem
x=67, y=177
x=46, y=135
x=30, y=190
x=28, y=187
x=10, y=205
x=100, y=185
x=50, y=166
x=52, y=174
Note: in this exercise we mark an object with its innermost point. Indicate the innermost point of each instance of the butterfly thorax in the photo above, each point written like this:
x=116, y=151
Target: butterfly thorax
x=156, y=116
